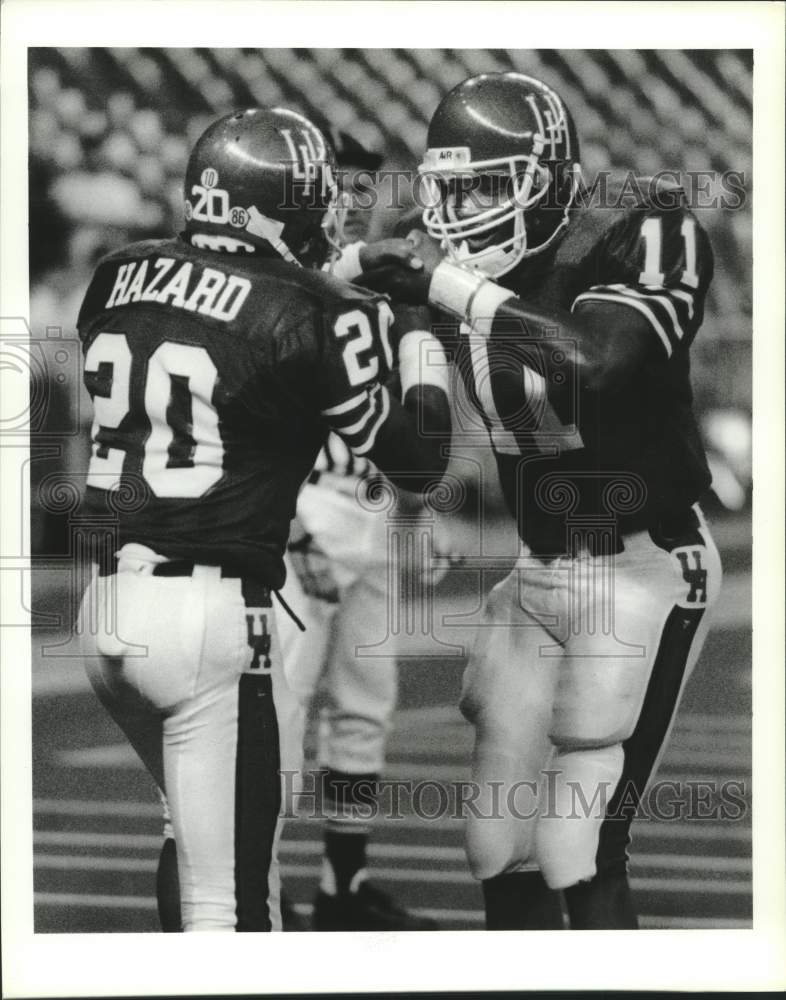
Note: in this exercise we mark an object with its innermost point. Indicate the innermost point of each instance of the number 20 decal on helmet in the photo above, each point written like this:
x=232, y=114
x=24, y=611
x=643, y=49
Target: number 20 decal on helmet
x=501, y=171
x=261, y=179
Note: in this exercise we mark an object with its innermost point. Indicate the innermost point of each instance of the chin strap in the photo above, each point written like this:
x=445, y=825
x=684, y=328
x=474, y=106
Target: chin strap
x=270, y=230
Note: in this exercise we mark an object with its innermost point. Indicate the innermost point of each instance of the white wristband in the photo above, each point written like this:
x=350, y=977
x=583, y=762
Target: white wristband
x=469, y=296
x=347, y=267
x=484, y=305
x=452, y=288
x=421, y=361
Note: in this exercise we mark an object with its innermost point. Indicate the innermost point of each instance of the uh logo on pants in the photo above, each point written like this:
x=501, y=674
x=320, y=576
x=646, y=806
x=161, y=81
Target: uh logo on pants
x=259, y=640
x=694, y=574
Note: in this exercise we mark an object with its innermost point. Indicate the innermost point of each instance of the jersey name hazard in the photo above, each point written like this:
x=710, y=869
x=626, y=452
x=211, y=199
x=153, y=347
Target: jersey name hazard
x=164, y=280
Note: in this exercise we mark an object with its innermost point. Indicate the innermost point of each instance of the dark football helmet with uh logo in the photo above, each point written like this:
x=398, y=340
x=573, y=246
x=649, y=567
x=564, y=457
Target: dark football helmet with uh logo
x=501, y=171
x=262, y=180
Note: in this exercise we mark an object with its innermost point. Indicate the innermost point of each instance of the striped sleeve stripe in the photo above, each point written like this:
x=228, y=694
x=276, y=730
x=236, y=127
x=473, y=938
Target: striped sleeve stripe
x=358, y=426
x=351, y=418
x=685, y=297
x=662, y=296
x=369, y=435
x=643, y=307
x=679, y=299
x=350, y=430
x=346, y=406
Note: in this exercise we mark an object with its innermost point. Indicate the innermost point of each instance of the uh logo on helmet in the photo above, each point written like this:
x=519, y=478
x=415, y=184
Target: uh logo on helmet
x=501, y=171
x=261, y=179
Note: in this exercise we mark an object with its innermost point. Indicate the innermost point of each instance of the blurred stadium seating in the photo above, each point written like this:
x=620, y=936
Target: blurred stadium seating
x=110, y=131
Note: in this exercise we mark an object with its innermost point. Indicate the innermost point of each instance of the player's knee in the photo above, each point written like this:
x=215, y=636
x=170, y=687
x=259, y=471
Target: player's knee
x=597, y=707
x=500, y=831
x=490, y=854
x=574, y=727
x=567, y=836
x=588, y=738
x=563, y=859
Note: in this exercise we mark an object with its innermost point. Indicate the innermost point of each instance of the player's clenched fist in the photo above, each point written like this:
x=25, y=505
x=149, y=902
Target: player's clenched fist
x=391, y=251
x=401, y=268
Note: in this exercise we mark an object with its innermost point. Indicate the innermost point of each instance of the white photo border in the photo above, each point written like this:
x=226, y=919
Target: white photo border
x=84, y=965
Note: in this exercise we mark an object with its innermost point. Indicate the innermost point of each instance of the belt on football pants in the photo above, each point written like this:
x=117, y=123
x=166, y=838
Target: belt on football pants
x=255, y=593
x=667, y=532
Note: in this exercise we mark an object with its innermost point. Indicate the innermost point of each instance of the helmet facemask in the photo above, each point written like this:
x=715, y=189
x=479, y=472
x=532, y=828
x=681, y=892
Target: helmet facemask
x=325, y=227
x=334, y=220
x=483, y=211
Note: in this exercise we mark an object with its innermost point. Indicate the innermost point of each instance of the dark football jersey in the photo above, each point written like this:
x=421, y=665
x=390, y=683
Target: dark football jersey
x=634, y=454
x=216, y=379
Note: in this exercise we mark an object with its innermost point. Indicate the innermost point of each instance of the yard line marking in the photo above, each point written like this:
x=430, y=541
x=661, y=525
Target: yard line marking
x=688, y=831
x=121, y=756
x=681, y=885
x=692, y=885
x=80, y=862
x=688, y=755
x=712, y=830
x=692, y=721
x=96, y=807
x=428, y=716
x=738, y=744
x=709, y=759
x=382, y=850
x=97, y=900
x=455, y=855
x=79, y=838
x=692, y=862
x=673, y=765
x=651, y=922
x=687, y=748
x=446, y=916
x=676, y=862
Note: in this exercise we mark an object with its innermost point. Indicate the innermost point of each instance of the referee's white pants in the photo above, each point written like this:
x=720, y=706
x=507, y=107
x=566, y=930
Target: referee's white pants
x=359, y=689
x=213, y=721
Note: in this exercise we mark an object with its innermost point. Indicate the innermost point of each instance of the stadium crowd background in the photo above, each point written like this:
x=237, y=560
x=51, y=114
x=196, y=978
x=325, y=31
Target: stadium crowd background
x=110, y=130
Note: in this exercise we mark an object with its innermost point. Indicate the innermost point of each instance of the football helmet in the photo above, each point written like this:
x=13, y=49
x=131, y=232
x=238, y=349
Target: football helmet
x=260, y=179
x=501, y=171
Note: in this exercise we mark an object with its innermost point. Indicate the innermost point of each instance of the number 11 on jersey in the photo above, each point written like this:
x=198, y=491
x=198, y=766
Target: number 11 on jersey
x=652, y=234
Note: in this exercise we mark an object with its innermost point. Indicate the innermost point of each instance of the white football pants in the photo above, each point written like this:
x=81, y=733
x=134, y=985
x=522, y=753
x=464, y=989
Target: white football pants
x=192, y=673
x=572, y=687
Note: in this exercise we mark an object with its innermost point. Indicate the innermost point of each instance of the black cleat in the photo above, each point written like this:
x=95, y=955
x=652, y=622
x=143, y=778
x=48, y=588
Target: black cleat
x=368, y=909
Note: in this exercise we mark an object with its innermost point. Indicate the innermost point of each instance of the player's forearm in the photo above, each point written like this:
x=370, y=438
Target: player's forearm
x=412, y=447
x=554, y=334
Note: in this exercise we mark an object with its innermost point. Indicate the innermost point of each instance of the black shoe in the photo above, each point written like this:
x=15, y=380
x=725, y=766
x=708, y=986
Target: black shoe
x=368, y=909
x=291, y=920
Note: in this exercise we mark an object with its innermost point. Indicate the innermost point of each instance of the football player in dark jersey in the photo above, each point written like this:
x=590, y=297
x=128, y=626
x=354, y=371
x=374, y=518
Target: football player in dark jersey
x=572, y=328
x=218, y=363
